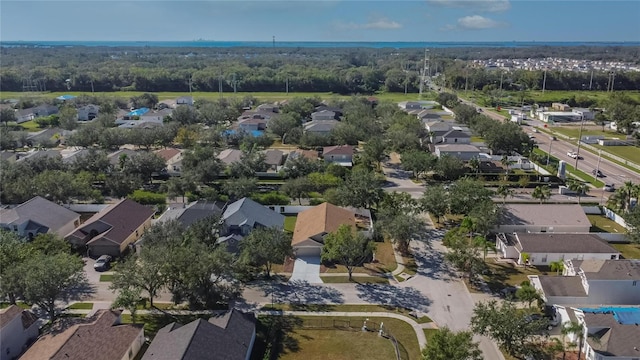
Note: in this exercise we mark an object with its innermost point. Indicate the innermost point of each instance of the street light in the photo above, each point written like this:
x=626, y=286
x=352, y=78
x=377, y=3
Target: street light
x=579, y=140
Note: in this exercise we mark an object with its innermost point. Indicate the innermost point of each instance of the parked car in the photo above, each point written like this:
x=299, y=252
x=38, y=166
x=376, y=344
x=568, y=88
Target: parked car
x=508, y=292
x=572, y=154
x=549, y=323
x=597, y=173
x=609, y=188
x=103, y=263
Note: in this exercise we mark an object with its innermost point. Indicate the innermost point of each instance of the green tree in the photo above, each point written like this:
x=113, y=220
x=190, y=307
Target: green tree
x=265, y=247
x=46, y=279
x=450, y=167
x=505, y=324
x=577, y=330
x=484, y=245
x=464, y=256
x=68, y=117
x=146, y=271
x=361, y=189
x=184, y=115
x=557, y=266
x=374, y=152
x=523, y=181
x=297, y=188
x=504, y=191
x=129, y=299
x=579, y=187
x=144, y=164
x=632, y=219
x=7, y=115
x=542, y=193
x=524, y=257
x=347, y=247
x=241, y=187
x=282, y=124
x=465, y=193
x=527, y=293
x=448, y=345
x=484, y=215
x=417, y=161
x=435, y=201
x=201, y=164
x=12, y=254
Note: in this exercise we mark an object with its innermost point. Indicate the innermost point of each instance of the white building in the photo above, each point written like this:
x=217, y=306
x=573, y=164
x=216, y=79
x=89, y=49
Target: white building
x=615, y=282
x=544, y=249
x=536, y=218
x=558, y=116
x=585, y=114
x=18, y=329
x=464, y=152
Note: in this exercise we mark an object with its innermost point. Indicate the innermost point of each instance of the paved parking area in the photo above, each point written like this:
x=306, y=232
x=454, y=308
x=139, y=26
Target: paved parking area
x=307, y=268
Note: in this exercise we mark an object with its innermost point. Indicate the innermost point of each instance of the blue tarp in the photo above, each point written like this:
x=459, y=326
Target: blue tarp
x=138, y=112
x=65, y=97
x=254, y=133
x=623, y=315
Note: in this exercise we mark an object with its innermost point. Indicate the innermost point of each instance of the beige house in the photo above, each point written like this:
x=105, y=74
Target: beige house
x=540, y=218
x=112, y=230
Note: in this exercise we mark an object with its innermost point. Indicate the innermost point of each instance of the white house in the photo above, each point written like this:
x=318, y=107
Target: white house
x=341, y=155
x=18, y=329
x=544, y=249
x=184, y=100
x=615, y=282
x=320, y=127
x=535, y=218
x=433, y=126
x=456, y=136
x=464, y=152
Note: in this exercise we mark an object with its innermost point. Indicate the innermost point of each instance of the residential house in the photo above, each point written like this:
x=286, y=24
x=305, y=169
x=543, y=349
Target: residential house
x=455, y=136
x=320, y=127
x=244, y=215
x=173, y=159
x=229, y=335
x=47, y=138
x=185, y=100
x=24, y=115
x=116, y=157
x=558, y=116
x=111, y=231
x=192, y=212
x=464, y=152
x=8, y=156
x=544, y=249
x=230, y=156
x=312, y=225
x=255, y=123
x=44, y=110
x=323, y=115
x=437, y=125
x=560, y=107
x=410, y=105
x=35, y=154
x=268, y=108
x=88, y=112
x=612, y=333
x=615, y=282
x=70, y=155
x=39, y=216
x=309, y=154
x=155, y=116
x=18, y=329
x=102, y=336
x=274, y=158
x=553, y=218
x=340, y=154
x=338, y=112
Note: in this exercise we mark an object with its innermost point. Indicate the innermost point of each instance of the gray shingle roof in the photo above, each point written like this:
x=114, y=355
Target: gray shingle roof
x=193, y=212
x=563, y=243
x=544, y=215
x=248, y=212
x=614, y=339
x=626, y=269
x=226, y=336
x=41, y=211
x=562, y=286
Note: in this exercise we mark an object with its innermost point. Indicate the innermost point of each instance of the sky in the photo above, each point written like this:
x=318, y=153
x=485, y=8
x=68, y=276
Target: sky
x=313, y=20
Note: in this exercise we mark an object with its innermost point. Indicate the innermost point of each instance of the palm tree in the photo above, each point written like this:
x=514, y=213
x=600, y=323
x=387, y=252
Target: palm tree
x=629, y=191
x=542, y=193
x=485, y=245
x=581, y=188
x=474, y=163
x=576, y=329
x=525, y=258
x=505, y=191
x=557, y=266
x=506, y=163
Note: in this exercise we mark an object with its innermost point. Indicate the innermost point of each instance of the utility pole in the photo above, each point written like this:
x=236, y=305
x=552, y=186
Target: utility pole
x=579, y=141
x=287, y=85
x=423, y=78
x=466, y=79
x=591, y=80
x=613, y=79
x=544, y=80
x=595, y=176
x=220, y=85
x=274, y=41
x=92, y=86
x=549, y=153
x=190, y=84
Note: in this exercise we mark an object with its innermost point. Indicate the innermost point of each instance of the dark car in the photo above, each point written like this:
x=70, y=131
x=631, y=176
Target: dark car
x=597, y=173
x=545, y=321
x=103, y=263
x=508, y=292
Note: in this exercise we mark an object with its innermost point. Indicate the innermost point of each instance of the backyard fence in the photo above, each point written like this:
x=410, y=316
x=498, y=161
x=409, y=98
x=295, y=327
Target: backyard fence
x=359, y=325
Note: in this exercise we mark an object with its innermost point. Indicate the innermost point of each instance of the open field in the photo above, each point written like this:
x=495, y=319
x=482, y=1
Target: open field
x=631, y=153
x=306, y=337
x=574, y=132
x=549, y=96
x=264, y=96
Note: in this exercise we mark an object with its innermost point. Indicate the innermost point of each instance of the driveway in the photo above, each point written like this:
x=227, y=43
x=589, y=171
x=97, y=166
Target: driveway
x=307, y=268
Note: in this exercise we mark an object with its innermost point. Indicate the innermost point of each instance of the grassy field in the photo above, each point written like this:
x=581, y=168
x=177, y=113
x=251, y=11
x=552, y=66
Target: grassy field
x=324, y=338
x=631, y=153
x=264, y=96
x=574, y=132
x=355, y=279
x=290, y=223
x=629, y=251
x=601, y=223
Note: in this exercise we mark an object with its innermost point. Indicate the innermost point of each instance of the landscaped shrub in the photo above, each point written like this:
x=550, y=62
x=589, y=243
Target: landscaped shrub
x=271, y=198
x=148, y=198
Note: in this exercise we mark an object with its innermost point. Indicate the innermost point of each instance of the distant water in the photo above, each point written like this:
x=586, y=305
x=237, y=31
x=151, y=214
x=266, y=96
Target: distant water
x=303, y=44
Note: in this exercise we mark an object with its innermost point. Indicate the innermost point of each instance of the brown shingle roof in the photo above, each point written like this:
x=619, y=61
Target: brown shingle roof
x=120, y=221
x=338, y=150
x=322, y=219
x=101, y=338
x=8, y=314
x=167, y=154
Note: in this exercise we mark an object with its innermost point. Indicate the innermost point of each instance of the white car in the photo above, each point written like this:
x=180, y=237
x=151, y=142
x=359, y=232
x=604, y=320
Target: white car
x=572, y=154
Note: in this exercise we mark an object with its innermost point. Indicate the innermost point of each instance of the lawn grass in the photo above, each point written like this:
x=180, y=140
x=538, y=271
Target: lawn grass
x=299, y=337
x=81, y=306
x=354, y=279
x=348, y=308
x=4, y=305
x=502, y=274
x=628, y=251
x=30, y=126
x=290, y=223
x=410, y=266
x=106, y=277
x=600, y=223
x=153, y=323
x=574, y=132
x=630, y=152
x=477, y=139
x=385, y=258
x=428, y=333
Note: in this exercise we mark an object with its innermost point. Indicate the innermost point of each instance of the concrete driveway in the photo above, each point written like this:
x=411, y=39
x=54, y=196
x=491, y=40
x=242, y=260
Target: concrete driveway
x=307, y=268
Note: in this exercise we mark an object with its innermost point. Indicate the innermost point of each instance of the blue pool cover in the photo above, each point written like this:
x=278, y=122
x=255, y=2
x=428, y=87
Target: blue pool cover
x=65, y=97
x=623, y=315
x=138, y=112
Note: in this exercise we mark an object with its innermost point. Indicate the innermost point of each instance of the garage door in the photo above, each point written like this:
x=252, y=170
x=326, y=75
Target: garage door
x=308, y=251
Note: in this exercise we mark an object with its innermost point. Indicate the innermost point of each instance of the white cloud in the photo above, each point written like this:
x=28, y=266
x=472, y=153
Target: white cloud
x=474, y=5
x=373, y=24
x=476, y=22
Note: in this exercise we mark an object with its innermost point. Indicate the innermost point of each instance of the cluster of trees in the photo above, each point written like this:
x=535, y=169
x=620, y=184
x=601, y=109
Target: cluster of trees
x=624, y=201
x=193, y=267
x=40, y=272
x=340, y=70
